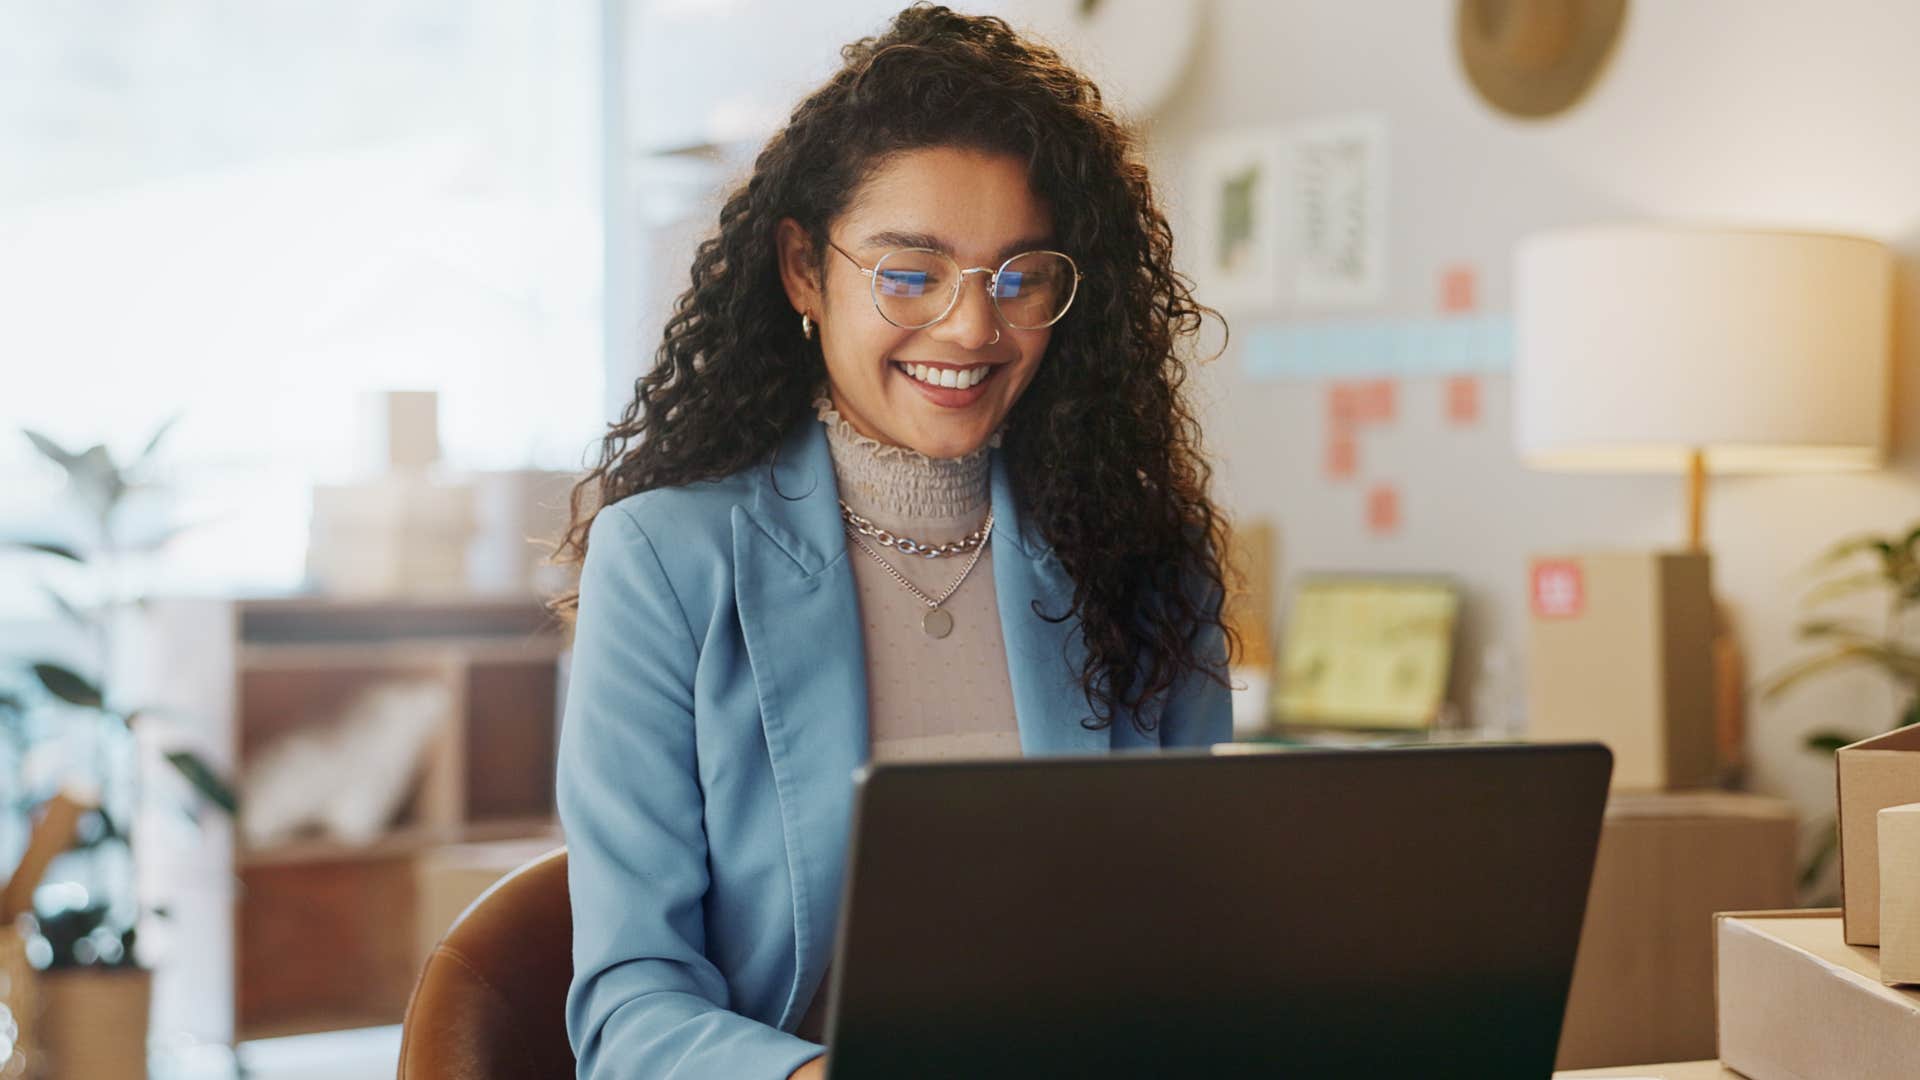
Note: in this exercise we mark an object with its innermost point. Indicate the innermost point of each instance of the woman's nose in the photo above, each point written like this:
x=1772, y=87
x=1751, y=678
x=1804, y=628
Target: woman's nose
x=972, y=323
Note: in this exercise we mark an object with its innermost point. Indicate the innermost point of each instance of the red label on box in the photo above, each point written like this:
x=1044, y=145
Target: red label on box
x=1559, y=590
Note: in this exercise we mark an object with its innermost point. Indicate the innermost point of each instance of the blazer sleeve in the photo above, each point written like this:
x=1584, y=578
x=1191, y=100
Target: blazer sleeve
x=644, y=1001
x=1199, y=710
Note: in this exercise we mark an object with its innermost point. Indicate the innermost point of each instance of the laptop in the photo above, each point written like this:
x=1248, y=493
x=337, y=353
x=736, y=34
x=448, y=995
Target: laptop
x=1404, y=912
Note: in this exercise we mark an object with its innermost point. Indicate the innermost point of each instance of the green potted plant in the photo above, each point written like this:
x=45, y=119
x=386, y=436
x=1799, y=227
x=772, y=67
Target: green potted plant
x=1886, y=565
x=82, y=932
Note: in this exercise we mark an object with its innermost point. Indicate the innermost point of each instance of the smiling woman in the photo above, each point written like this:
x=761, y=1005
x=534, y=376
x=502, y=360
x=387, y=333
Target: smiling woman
x=918, y=358
x=912, y=477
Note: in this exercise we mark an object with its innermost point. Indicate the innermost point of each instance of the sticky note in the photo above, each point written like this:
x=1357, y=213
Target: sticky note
x=1343, y=454
x=1459, y=290
x=1383, y=509
x=1463, y=400
x=1343, y=405
x=1378, y=401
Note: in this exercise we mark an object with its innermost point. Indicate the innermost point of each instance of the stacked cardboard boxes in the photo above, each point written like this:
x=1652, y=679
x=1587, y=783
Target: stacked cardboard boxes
x=1621, y=651
x=1810, y=994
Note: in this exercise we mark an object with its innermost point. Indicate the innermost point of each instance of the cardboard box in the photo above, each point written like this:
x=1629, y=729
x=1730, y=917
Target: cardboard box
x=398, y=430
x=1668, y=861
x=1900, y=894
x=1795, y=1000
x=392, y=535
x=1679, y=1070
x=449, y=879
x=1872, y=775
x=1621, y=650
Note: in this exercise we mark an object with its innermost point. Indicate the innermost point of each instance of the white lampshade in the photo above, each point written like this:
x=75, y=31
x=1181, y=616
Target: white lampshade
x=1637, y=346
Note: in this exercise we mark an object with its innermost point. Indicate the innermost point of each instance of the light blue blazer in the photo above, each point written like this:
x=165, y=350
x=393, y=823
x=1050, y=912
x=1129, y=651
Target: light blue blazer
x=716, y=710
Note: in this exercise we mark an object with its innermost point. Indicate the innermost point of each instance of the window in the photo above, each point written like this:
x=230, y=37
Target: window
x=248, y=213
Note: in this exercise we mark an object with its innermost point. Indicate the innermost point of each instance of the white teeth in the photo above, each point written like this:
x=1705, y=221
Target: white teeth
x=955, y=378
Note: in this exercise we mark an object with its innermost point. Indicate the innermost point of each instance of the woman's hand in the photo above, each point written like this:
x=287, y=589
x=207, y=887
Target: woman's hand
x=812, y=1070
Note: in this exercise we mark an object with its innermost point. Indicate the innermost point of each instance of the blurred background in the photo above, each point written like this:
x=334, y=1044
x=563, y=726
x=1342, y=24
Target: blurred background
x=309, y=313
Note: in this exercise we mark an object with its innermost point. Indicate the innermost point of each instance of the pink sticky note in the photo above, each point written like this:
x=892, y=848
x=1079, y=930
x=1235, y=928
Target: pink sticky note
x=1343, y=405
x=1343, y=454
x=1377, y=401
x=1463, y=400
x=1459, y=290
x=1383, y=509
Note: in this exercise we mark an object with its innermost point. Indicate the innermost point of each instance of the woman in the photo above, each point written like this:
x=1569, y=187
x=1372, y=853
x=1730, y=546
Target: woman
x=911, y=478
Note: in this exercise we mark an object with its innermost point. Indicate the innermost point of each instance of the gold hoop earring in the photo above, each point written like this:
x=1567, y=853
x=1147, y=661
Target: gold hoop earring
x=806, y=326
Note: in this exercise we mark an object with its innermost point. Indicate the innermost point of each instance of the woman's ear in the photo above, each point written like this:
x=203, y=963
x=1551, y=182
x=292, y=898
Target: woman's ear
x=799, y=267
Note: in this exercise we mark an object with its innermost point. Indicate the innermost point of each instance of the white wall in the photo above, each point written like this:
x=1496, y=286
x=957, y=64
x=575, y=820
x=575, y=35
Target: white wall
x=1732, y=111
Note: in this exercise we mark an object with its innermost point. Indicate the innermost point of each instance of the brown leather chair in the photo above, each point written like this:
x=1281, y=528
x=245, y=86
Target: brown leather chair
x=491, y=1001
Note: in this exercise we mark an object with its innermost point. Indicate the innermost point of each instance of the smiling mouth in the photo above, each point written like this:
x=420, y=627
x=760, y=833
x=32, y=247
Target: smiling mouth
x=951, y=378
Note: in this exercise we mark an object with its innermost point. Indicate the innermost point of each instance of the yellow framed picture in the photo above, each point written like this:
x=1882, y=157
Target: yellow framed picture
x=1367, y=652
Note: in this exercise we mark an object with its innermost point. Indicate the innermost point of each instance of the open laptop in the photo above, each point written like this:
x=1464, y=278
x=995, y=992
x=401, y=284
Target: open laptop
x=1352, y=913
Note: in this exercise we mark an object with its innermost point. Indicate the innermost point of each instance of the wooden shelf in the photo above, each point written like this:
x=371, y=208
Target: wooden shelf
x=345, y=1021
x=316, y=934
x=398, y=842
x=308, y=655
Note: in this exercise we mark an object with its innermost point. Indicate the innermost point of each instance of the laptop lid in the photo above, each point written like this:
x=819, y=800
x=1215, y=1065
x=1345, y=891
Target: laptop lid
x=1380, y=912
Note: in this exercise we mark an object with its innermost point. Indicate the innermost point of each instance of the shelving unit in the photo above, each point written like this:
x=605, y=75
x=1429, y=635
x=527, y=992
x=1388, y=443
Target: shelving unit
x=314, y=934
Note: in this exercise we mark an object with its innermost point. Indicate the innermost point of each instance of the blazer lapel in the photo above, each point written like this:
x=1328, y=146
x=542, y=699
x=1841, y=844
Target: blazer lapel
x=1043, y=657
x=800, y=615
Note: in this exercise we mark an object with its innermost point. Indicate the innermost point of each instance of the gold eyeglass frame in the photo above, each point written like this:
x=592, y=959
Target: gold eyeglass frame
x=960, y=280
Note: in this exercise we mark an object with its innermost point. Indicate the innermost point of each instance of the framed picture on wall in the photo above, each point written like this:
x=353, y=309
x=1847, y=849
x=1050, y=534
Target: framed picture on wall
x=1336, y=193
x=1367, y=652
x=1236, y=178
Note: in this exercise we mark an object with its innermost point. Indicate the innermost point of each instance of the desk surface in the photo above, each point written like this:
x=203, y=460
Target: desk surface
x=1684, y=1070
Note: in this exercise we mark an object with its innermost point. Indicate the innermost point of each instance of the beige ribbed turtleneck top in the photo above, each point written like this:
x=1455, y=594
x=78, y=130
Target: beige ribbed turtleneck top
x=927, y=698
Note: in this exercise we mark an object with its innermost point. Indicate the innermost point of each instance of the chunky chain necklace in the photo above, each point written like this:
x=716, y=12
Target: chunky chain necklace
x=865, y=527
x=937, y=622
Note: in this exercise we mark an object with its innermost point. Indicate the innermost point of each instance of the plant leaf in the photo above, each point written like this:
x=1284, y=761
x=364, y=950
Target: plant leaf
x=1835, y=628
x=1828, y=740
x=1817, y=862
x=204, y=780
x=46, y=547
x=60, y=455
x=159, y=538
x=13, y=716
x=98, y=828
x=1828, y=591
x=67, y=686
x=1894, y=660
x=159, y=434
x=1800, y=670
x=1848, y=548
x=78, y=617
x=98, y=479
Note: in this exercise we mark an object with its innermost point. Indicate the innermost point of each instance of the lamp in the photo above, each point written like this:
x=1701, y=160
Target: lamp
x=1660, y=349
x=1642, y=348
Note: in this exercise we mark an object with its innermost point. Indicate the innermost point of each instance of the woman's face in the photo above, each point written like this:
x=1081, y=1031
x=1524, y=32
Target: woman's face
x=976, y=207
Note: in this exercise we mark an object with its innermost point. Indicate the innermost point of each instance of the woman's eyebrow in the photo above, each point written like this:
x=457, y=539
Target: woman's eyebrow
x=895, y=238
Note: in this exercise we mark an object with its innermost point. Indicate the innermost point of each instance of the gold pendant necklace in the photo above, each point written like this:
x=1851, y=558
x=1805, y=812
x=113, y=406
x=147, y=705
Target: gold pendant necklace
x=937, y=622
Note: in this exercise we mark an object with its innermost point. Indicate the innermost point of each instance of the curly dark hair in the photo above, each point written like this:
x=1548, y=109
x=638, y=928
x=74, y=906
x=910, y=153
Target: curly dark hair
x=1103, y=448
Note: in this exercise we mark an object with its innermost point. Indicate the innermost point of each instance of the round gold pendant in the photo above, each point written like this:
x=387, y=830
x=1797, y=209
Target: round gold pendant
x=937, y=623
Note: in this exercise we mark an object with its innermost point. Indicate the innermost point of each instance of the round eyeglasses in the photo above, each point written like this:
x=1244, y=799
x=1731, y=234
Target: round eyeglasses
x=913, y=288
